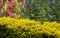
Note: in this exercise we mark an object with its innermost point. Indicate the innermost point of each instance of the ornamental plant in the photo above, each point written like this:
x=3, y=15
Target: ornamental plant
x=11, y=8
x=25, y=28
x=43, y=10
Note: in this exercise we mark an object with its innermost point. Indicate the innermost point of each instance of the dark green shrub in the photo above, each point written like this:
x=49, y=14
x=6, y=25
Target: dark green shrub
x=43, y=10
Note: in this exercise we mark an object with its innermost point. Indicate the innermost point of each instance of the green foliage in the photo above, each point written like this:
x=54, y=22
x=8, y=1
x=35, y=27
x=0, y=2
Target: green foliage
x=25, y=28
x=43, y=10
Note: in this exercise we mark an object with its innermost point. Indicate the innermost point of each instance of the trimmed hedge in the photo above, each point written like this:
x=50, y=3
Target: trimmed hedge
x=25, y=28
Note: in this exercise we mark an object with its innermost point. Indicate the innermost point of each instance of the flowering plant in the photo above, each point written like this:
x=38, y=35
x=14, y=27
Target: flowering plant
x=11, y=7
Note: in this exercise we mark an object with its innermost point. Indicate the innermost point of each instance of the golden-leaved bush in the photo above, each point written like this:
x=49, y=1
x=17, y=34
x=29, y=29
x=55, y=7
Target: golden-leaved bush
x=25, y=28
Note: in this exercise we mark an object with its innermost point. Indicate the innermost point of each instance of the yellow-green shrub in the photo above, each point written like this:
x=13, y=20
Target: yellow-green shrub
x=25, y=28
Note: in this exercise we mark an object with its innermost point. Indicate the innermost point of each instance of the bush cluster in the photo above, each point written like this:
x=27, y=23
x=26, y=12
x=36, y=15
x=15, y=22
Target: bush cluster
x=25, y=28
x=43, y=10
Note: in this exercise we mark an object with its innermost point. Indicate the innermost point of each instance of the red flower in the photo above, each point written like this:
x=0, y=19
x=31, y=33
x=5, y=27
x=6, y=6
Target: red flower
x=21, y=1
x=12, y=3
x=1, y=3
x=9, y=8
x=1, y=13
x=12, y=0
x=11, y=14
x=5, y=1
